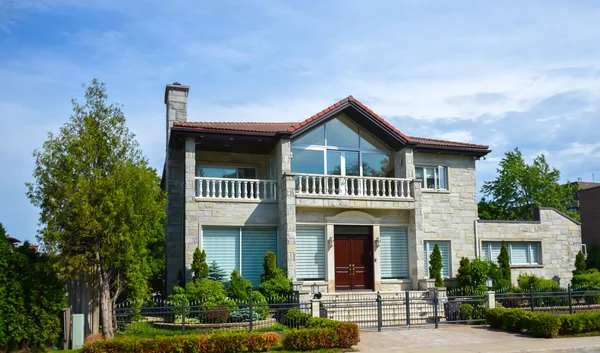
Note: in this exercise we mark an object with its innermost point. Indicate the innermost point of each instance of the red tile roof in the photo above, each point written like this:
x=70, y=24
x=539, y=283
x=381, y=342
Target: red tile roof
x=290, y=127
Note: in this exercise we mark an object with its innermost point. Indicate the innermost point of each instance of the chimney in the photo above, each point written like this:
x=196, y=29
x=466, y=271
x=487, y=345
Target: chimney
x=176, y=102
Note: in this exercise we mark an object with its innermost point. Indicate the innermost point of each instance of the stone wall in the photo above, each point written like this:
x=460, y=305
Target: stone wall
x=447, y=215
x=559, y=235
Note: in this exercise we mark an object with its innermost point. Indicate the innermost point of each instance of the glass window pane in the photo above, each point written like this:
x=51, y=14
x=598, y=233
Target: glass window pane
x=222, y=244
x=419, y=175
x=519, y=253
x=352, y=165
x=535, y=253
x=334, y=163
x=247, y=173
x=310, y=252
x=378, y=165
x=443, y=182
x=394, y=252
x=217, y=172
x=369, y=142
x=342, y=134
x=307, y=161
x=314, y=137
x=429, y=178
x=255, y=243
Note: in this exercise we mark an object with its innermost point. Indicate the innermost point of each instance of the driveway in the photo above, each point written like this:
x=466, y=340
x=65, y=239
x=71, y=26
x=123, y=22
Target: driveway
x=465, y=338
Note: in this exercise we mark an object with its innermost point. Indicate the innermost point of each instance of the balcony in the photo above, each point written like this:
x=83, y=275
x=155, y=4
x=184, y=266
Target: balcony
x=236, y=189
x=353, y=187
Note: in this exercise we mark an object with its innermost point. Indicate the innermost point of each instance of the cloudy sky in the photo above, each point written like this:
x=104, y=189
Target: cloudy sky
x=504, y=73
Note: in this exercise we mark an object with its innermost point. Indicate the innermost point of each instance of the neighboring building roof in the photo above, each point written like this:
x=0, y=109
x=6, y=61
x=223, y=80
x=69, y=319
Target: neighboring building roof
x=11, y=239
x=583, y=185
x=273, y=128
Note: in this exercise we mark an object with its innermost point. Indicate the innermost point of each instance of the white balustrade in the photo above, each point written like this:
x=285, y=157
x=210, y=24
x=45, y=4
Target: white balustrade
x=316, y=184
x=236, y=189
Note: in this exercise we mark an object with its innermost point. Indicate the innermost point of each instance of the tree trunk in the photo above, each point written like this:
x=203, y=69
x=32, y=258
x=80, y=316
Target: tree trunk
x=106, y=305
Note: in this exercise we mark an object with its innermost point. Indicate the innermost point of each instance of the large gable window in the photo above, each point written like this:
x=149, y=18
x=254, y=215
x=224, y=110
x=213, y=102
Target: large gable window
x=341, y=147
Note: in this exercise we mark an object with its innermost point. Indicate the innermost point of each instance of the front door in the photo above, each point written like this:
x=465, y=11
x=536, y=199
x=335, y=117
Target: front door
x=353, y=258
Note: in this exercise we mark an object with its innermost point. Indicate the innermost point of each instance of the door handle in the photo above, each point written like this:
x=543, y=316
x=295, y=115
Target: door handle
x=351, y=270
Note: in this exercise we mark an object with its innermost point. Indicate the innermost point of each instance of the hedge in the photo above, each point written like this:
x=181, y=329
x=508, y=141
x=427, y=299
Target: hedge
x=323, y=333
x=218, y=342
x=542, y=324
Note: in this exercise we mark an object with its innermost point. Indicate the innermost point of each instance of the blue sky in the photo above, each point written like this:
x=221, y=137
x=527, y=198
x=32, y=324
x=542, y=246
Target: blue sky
x=507, y=73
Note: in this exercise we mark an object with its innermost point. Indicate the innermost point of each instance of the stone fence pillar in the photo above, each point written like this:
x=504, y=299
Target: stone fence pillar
x=315, y=306
x=490, y=300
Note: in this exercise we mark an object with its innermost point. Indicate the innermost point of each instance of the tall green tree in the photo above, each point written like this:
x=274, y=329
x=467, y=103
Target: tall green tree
x=4, y=257
x=100, y=203
x=520, y=187
x=199, y=265
x=435, y=266
x=504, y=264
x=463, y=276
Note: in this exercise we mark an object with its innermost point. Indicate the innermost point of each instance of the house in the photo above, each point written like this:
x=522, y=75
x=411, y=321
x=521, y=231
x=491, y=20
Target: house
x=581, y=185
x=345, y=199
x=12, y=242
x=589, y=209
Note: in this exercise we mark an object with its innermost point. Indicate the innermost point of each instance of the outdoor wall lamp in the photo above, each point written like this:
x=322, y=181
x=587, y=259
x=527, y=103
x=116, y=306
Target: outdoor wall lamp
x=489, y=283
x=330, y=242
x=314, y=289
x=376, y=243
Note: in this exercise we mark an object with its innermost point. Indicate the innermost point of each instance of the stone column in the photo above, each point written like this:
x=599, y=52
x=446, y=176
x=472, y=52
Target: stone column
x=330, y=258
x=176, y=101
x=490, y=300
x=287, y=208
x=315, y=307
x=192, y=231
x=376, y=257
x=417, y=250
x=405, y=167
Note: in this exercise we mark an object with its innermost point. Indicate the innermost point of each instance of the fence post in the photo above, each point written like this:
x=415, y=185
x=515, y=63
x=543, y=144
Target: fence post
x=315, y=307
x=570, y=298
x=250, y=310
x=183, y=316
x=407, y=296
x=532, y=299
x=435, y=307
x=490, y=299
x=379, y=312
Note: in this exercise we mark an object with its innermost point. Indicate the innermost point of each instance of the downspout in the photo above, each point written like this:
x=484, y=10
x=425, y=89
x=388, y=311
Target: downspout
x=476, y=238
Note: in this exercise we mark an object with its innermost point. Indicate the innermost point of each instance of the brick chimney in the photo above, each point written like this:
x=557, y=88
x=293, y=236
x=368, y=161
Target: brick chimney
x=176, y=102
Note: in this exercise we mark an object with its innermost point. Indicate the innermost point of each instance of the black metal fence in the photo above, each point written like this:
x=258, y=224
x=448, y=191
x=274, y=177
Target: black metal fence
x=164, y=318
x=568, y=300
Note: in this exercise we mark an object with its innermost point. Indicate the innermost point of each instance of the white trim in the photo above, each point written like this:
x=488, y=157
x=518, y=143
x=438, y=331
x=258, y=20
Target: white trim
x=436, y=176
x=337, y=217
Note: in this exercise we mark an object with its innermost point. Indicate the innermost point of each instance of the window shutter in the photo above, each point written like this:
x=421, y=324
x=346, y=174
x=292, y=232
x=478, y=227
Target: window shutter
x=310, y=252
x=444, y=250
x=222, y=244
x=496, y=247
x=519, y=253
x=394, y=252
x=255, y=243
x=535, y=253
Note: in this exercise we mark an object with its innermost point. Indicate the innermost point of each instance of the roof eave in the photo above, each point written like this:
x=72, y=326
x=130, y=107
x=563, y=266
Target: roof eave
x=464, y=150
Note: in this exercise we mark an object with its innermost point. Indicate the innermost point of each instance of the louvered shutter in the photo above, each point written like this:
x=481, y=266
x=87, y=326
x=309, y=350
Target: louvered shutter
x=310, y=252
x=222, y=244
x=519, y=253
x=535, y=253
x=255, y=243
x=393, y=252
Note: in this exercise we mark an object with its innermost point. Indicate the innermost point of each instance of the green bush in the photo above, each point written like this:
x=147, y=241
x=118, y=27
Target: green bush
x=493, y=317
x=322, y=322
x=504, y=263
x=540, y=284
x=295, y=318
x=545, y=325
x=218, y=342
x=274, y=283
x=435, y=266
x=199, y=265
x=466, y=312
x=590, y=278
x=463, y=277
x=260, y=304
x=343, y=335
x=516, y=320
x=269, y=266
x=238, y=288
x=243, y=315
x=481, y=270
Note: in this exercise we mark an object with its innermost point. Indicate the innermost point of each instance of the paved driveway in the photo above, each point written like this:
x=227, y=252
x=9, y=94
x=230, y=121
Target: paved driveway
x=465, y=338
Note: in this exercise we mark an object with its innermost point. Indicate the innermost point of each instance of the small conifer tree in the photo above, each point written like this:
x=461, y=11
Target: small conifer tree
x=216, y=273
x=199, y=265
x=463, y=278
x=504, y=264
x=580, y=265
x=435, y=266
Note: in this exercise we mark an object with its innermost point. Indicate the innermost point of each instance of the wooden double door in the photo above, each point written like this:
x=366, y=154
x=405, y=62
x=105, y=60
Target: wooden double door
x=353, y=248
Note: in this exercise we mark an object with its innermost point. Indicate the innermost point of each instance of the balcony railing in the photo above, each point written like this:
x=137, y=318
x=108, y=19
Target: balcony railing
x=336, y=185
x=236, y=189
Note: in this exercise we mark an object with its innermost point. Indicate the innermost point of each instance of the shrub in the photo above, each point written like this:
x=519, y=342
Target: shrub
x=239, y=288
x=274, y=283
x=322, y=322
x=260, y=304
x=466, y=312
x=216, y=273
x=243, y=315
x=269, y=266
x=347, y=335
x=481, y=270
x=504, y=263
x=95, y=337
x=516, y=320
x=219, y=314
x=218, y=342
x=493, y=317
x=540, y=284
x=295, y=318
x=545, y=325
x=590, y=278
x=463, y=277
x=580, y=264
x=199, y=265
x=309, y=339
x=435, y=266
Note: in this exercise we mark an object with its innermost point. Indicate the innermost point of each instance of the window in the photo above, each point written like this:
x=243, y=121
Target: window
x=393, y=248
x=310, y=252
x=445, y=250
x=226, y=172
x=241, y=249
x=341, y=147
x=521, y=253
x=433, y=178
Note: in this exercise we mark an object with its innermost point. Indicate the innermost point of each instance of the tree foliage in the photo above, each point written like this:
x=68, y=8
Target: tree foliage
x=463, y=277
x=504, y=263
x=274, y=283
x=238, y=287
x=435, y=266
x=100, y=203
x=216, y=273
x=199, y=265
x=32, y=298
x=580, y=265
x=520, y=187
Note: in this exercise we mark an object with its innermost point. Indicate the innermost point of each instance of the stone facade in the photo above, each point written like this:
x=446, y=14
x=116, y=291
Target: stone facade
x=560, y=239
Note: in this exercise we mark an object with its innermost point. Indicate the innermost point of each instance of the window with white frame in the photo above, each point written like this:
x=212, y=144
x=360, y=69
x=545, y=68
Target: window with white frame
x=393, y=251
x=239, y=248
x=341, y=147
x=444, y=247
x=432, y=177
x=521, y=253
x=310, y=252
